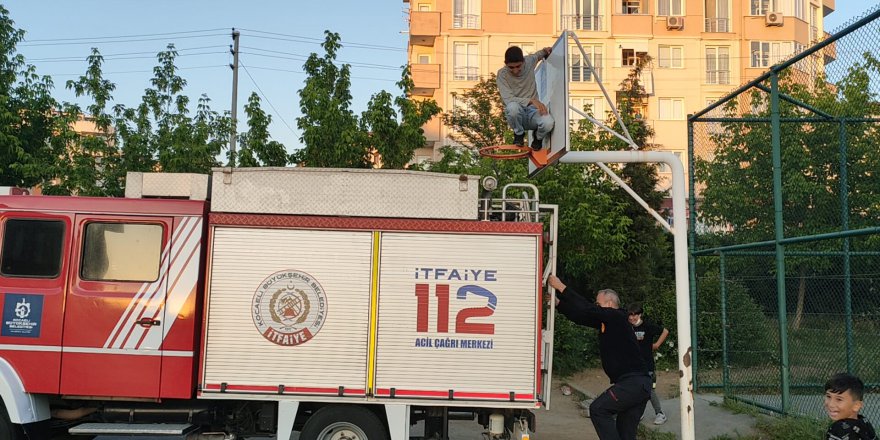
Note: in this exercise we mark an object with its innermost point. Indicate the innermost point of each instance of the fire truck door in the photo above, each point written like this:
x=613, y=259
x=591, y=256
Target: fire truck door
x=116, y=298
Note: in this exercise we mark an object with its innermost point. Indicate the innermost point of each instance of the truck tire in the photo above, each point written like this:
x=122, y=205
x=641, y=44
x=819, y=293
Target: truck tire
x=9, y=430
x=347, y=422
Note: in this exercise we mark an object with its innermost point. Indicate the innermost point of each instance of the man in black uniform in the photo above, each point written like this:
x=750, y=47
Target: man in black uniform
x=616, y=412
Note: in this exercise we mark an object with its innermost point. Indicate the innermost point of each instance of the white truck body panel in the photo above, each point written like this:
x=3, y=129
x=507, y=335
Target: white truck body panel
x=236, y=352
x=345, y=192
x=495, y=363
x=370, y=279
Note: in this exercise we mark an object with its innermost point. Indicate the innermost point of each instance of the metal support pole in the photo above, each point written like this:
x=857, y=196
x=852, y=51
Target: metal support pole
x=692, y=245
x=844, y=226
x=682, y=292
x=234, y=66
x=725, y=360
x=776, y=141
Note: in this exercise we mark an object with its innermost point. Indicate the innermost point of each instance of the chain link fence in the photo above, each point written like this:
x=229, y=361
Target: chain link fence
x=785, y=236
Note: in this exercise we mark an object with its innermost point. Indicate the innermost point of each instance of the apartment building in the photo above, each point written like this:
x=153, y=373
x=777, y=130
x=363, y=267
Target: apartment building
x=701, y=50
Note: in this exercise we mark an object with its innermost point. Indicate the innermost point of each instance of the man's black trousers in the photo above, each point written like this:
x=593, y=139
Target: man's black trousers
x=616, y=413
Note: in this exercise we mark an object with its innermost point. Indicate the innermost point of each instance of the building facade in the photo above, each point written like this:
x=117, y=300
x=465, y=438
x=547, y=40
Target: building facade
x=700, y=50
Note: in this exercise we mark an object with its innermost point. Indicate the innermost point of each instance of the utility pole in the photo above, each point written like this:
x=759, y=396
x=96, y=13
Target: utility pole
x=234, y=66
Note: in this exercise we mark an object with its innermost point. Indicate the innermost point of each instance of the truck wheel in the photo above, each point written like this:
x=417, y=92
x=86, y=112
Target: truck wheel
x=9, y=430
x=343, y=422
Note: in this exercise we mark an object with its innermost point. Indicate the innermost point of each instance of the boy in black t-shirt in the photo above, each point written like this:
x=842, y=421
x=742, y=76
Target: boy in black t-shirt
x=843, y=401
x=646, y=331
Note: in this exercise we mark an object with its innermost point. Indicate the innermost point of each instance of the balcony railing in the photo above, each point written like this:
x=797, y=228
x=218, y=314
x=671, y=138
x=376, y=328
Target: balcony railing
x=466, y=21
x=717, y=77
x=582, y=22
x=466, y=73
x=717, y=25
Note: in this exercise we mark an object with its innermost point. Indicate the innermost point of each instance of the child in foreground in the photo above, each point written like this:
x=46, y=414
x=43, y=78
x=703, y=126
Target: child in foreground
x=843, y=401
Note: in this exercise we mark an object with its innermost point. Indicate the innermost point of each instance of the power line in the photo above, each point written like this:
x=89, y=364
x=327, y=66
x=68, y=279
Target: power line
x=313, y=40
x=68, y=60
x=304, y=57
x=105, y=56
x=213, y=66
x=117, y=41
x=363, y=65
x=304, y=73
x=122, y=36
x=277, y=113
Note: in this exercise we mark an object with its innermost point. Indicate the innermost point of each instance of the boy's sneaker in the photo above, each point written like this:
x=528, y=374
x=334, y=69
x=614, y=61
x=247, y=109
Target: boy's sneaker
x=660, y=419
x=519, y=140
x=537, y=144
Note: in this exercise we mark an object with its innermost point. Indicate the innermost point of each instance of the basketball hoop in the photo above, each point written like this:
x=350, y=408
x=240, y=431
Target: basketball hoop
x=505, y=152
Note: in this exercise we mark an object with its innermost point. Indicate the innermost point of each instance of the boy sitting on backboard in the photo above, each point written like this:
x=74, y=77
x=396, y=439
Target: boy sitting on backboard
x=516, y=84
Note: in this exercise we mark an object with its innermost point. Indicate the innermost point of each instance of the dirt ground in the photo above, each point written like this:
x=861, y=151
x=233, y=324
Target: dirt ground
x=566, y=420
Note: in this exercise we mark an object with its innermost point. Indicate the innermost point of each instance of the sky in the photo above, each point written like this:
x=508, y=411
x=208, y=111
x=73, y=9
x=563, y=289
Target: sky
x=276, y=38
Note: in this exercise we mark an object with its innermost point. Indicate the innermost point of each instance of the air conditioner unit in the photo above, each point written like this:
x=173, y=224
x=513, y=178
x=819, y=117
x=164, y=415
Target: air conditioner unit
x=673, y=22
x=774, y=19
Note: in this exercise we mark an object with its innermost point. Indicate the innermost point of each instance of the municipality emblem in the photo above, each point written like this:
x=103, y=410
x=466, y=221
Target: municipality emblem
x=23, y=309
x=289, y=307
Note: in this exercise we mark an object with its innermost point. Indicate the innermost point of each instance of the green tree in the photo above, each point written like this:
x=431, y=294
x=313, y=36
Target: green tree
x=738, y=177
x=329, y=127
x=255, y=146
x=28, y=113
x=160, y=134
x=93, y=161
x=395, y=134
x=479, y=120
x=602, y=232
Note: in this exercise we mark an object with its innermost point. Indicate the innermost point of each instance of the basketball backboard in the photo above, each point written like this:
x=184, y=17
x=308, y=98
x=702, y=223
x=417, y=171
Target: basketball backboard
x=552, y=80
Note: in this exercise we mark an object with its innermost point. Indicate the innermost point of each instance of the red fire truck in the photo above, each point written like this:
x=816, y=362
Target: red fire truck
x=355, y=304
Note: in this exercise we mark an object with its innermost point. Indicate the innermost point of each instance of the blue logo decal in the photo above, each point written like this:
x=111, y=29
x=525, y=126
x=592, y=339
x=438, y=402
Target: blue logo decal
x=22, y=315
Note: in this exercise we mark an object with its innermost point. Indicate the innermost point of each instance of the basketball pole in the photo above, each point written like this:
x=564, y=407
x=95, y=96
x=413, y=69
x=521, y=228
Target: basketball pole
x=682, y=292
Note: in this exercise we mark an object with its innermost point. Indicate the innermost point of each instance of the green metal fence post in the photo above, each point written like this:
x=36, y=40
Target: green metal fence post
x=776, y=141
x=725, y=367
x=692, y=243
x=844, y=225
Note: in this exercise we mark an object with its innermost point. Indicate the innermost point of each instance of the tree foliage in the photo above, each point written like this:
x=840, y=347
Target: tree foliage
x=255, y=146
x=738, y=193
x=28, y=115
x=329, y=126
x=605, y=238
x=395, y=133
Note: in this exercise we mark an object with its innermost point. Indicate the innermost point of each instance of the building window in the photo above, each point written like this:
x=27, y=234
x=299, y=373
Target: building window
x=800, y=9
x=671, y=57
x=630, y=7
x=582, y=15
x=718, y=65
x=717, y=16
x=527, y=47
x=121, y=252
x=628, y=57
x=424, y=59
x=669, y=7
x=768, y=53
x=32, y=248
x=580, y=69
x=521, y=6
x=424, y=7
x=465, y=62
x=761, y=7
x=671, y=109
x=591, y=105
x=466, y=14
x=814, y=23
